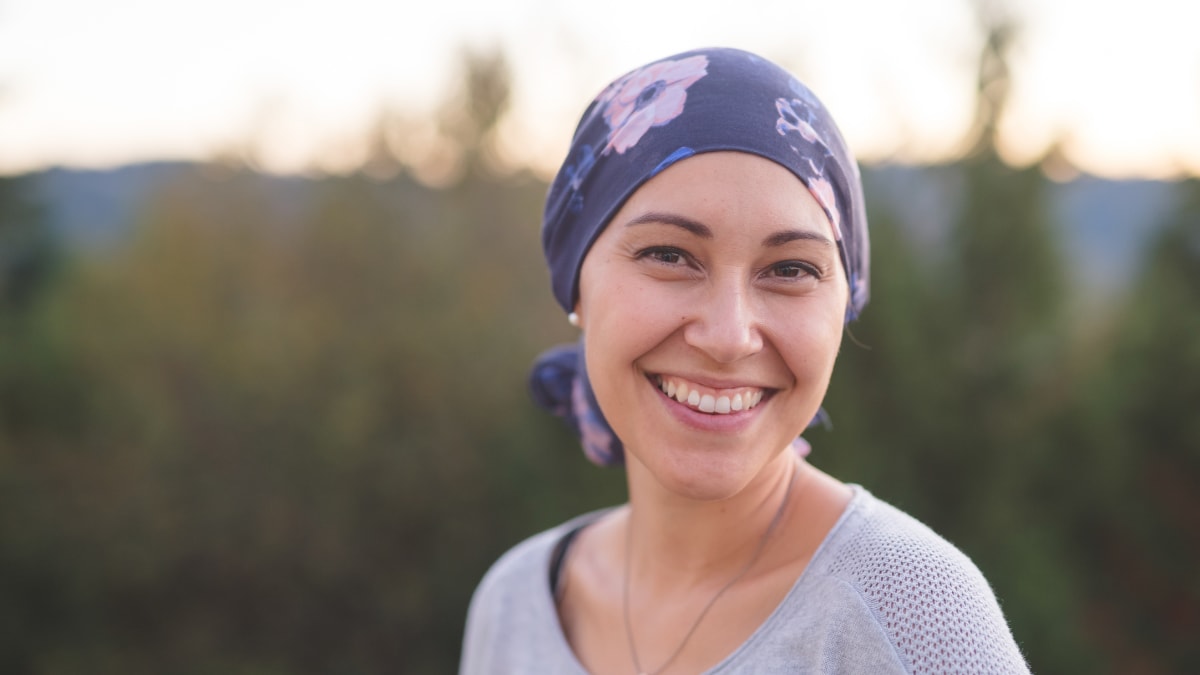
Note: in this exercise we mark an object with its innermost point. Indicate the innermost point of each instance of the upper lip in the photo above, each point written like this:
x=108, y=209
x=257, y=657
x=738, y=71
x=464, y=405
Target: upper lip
x=712, y=382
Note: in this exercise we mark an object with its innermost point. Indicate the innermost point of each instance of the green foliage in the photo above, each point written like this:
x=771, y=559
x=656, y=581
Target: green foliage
x=288, y=437
x=1137, y=507
x=28, y=251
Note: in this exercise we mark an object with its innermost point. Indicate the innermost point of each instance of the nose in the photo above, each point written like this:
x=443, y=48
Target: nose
x=725, y=323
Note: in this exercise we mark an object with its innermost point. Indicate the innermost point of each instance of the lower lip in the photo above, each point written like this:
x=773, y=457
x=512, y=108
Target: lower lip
x=728, y=423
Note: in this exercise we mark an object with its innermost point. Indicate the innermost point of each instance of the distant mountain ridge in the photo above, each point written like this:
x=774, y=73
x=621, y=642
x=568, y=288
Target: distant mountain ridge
x=1103, y=226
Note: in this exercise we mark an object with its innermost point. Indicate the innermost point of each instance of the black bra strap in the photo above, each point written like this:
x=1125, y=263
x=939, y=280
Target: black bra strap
x=559, y=557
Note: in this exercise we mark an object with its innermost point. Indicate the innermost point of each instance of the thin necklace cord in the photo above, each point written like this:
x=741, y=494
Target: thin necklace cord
x=762, y=544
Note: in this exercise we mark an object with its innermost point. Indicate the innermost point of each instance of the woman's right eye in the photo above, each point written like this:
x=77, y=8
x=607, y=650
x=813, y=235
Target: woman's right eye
x=663, y=254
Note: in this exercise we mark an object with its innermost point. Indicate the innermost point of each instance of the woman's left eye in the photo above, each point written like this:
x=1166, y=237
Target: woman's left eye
x=794, y=269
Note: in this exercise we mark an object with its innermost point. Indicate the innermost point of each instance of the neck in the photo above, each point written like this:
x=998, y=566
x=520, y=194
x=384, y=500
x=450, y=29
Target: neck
x=679, y=541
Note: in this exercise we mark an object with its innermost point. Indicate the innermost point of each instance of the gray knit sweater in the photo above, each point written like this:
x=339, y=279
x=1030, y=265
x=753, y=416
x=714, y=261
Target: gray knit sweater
x=882, y=594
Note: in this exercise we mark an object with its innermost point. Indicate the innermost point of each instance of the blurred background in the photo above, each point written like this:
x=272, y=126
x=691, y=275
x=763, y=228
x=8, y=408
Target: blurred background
x=270, y=282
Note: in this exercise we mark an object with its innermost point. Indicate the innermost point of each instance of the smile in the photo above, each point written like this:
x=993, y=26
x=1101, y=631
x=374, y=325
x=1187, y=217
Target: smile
x=713, y=401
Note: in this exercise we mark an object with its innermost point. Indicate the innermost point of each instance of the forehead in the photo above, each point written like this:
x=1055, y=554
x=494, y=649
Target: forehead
x=729, y=188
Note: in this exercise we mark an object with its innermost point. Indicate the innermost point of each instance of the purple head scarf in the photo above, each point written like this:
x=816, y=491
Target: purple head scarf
x=705, y=100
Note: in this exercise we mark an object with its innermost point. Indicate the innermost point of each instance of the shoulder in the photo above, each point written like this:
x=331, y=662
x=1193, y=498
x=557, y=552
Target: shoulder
x=520, y=572
x=526, y=566
x=930, y=600
x=512, y=614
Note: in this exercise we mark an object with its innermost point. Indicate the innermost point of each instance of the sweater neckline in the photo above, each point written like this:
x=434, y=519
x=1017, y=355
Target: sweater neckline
x=562, y=536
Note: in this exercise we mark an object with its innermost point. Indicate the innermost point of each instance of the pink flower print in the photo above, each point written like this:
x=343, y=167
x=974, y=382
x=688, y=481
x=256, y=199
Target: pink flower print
x=822, y=190
x=649, y=97
x=790, y=120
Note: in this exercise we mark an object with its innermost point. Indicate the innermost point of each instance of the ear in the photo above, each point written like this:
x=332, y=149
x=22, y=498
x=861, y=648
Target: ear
x=573, y=317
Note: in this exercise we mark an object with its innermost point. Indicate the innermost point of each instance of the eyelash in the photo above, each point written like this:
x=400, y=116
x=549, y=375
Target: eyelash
x=657, y=253
x=802, y=267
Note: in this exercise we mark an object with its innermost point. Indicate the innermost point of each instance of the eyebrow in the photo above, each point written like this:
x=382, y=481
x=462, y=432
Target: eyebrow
x=695, y=227
x=788, y=236
x=701, y=230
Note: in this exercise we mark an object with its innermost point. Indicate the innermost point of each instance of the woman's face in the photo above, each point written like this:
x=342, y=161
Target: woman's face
x=712, y=308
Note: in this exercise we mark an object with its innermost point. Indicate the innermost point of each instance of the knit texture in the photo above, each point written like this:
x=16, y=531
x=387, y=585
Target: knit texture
x=883, y=594
x=928, y=597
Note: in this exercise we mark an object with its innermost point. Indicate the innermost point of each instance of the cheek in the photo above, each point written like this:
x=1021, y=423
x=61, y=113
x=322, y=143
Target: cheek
x=809, y=341
x=623, y=321
x=622, y=305
x=628, y=321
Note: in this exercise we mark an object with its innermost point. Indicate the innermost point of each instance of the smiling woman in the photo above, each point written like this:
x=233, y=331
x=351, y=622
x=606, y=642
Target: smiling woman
x=707, y=235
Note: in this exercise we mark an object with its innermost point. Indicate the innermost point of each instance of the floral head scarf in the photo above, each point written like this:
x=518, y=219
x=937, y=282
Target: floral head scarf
x=705, y=100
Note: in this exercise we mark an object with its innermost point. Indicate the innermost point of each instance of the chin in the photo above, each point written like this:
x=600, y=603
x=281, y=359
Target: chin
x=705, y=475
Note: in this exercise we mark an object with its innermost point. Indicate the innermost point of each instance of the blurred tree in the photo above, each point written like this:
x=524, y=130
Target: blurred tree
x=469, y=117
x=992, y=81
x=28, y=249
x=39, y=390
x=950, y=411
x=1137, y=517
x=990, y=479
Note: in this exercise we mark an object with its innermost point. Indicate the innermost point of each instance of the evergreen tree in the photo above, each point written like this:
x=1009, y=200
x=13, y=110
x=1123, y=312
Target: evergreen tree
x=1140, y=445
x=953, y=404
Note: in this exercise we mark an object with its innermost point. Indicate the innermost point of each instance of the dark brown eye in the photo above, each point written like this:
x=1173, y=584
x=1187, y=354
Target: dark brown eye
x=663, y=254
x=794, y=269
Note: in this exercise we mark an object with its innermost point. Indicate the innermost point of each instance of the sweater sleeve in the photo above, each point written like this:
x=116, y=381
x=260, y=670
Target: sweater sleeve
x=504, y=621
x=512, y=623
x=931, y=601
x=483, y=619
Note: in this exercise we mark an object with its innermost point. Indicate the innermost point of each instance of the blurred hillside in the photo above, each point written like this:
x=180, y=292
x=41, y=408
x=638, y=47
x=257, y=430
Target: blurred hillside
x=1103, y=226
x=252, y=424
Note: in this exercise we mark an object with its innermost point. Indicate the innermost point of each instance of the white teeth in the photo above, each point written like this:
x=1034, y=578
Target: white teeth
x=709, y=403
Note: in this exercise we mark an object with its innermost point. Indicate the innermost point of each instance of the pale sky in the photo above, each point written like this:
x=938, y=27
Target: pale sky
x=93, y=84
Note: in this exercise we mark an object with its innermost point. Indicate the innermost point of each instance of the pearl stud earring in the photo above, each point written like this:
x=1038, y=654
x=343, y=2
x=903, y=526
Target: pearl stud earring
x=573, y=319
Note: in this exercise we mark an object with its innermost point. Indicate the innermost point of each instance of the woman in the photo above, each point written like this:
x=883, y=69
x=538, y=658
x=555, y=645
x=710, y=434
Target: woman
x=707, y=235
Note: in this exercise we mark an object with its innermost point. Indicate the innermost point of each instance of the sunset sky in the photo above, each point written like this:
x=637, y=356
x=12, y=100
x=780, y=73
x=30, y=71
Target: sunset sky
x=295, y=83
